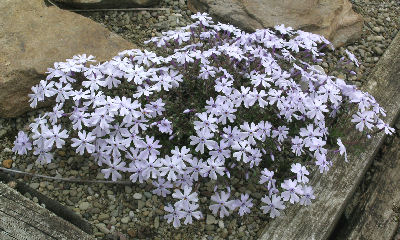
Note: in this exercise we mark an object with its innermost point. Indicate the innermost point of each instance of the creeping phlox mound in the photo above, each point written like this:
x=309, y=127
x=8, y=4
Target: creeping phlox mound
x=215, y=101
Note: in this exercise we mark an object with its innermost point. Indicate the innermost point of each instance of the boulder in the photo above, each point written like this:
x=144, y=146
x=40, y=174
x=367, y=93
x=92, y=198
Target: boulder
x=33, y=37
x=334, y=19
x=107, y=3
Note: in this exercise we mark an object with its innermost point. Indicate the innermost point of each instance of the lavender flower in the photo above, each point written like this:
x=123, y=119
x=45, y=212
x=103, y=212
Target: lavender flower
x=222, y=204
x=162, y=187
x=185, y=198
x=292, y=189
x=308, y=195
x=22, y=144
x=301, y=172
x=244, y=204
x=273, y=205
x=174, y=215
x=84, y=142
x=223, y=77
x=342, y=149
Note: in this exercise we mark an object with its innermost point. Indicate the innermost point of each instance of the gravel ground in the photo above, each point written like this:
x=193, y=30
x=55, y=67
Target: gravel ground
x=132, y=211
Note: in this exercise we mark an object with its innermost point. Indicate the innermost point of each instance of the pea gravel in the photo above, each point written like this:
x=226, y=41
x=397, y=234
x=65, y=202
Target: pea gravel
x=131, y=211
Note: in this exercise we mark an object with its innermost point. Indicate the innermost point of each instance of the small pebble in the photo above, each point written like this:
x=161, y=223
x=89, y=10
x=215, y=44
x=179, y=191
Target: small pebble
x=210, y=219
x=376, y=29
x=141, y=204
x=156, y=222
x=12, y=184
x=84, y=206
x=128, y=189
x=103, y=217
x=125, y=219
x=147, y=195
x=221, y=224
x=378, y=51
x=137, y=196
x=34, y=185
x=132, y=233
x=102, y=227
x=7, y=163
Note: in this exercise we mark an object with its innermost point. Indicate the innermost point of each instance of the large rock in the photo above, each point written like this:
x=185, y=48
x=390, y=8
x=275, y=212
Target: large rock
x=108, y=3
x=334, y=19
x=33, y=37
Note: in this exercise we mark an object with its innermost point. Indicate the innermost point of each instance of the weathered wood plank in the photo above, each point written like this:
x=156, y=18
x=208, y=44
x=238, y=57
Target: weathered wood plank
x=19, y=229
x=26, y=211
x=5, y=236
x=376, y=212
x=20, y=218
x=52, y=205
x=333, y=190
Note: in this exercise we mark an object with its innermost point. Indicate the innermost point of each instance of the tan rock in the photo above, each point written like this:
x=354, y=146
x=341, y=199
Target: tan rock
x=334, y=19
x=7, y=163
x=33, y=37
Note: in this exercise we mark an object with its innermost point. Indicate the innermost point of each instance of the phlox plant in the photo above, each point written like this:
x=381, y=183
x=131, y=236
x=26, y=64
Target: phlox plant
x=215, y=101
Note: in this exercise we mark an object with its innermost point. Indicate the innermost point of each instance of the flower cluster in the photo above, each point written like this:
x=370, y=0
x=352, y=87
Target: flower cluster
x=216, y=101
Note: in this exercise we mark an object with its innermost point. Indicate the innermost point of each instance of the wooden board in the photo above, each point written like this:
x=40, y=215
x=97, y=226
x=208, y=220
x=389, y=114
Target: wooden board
x=21, y=219
x=52, y=205
x=334, y=190
x=376, y=209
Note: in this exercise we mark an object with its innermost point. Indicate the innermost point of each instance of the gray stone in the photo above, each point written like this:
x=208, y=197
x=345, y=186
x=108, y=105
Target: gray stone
x=125, y=219
x=376, y=29
x=141, y=204
x=3, y=132
x=113, y=220
x=73, y=192
x=114, y=213
x=100, y=176
x=379, y=38
x=147, y=195
x=74, y=199
x=210, y=227
x=84, y=206
x=378, y=51
x=137, y=196
x=90, y=191
x=210, y=219
x=333, y=19
x=362, y=52
x=102, y=227
x=156, y=222
x=52, y=166
x=34, y=185
x=128, y=189
x=103, y=217
x=221, y=224
x=94, y=210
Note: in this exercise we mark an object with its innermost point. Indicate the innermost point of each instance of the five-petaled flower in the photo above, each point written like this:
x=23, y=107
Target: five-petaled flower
x=84, y=142
x=222, y=204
